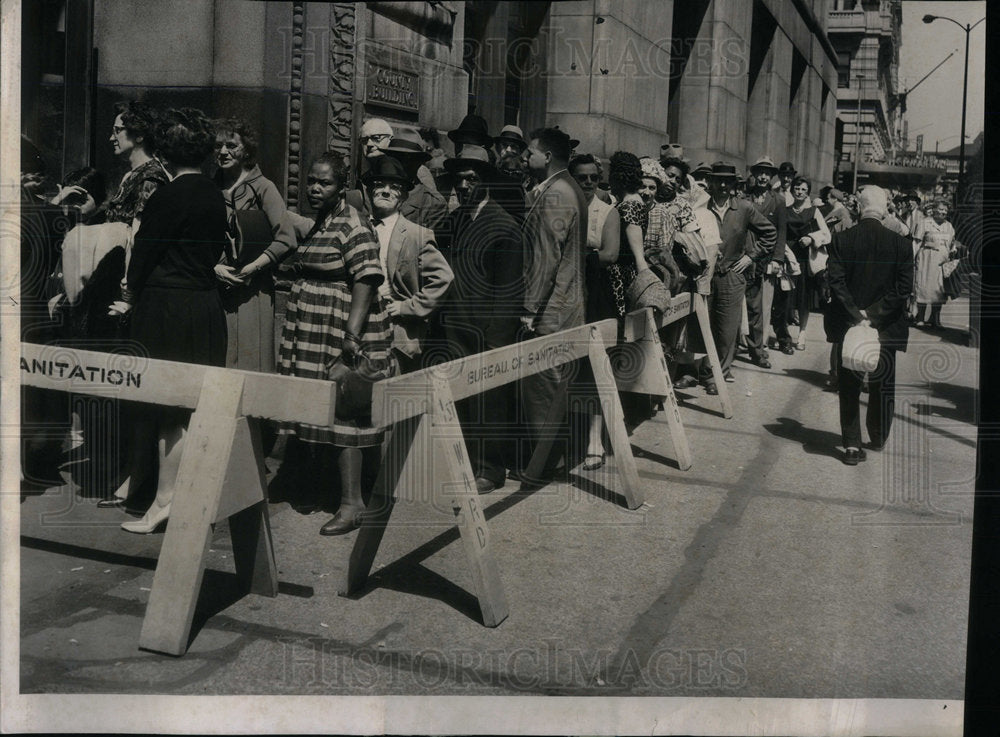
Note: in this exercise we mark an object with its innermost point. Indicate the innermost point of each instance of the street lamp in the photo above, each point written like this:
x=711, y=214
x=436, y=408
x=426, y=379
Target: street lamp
x=857, y=136
x=965, y=92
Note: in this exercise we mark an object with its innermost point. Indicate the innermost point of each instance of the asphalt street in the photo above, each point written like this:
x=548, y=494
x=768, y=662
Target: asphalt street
x=768, y=569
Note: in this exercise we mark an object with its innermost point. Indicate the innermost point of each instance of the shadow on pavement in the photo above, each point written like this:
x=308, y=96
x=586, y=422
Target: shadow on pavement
x=962, y=398
x=812, y=440
x=661, y=459
x=955, y=336
x=407, y=575
x=219, y=589
x=589, y=486
x=816, y=378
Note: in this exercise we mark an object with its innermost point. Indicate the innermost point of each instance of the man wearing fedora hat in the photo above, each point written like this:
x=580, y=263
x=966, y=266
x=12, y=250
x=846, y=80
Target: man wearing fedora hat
x=786, y=173
x=772, y=206
x=473, y=129
x=417, y=275
x=509, y=142
x=483, y=307
x=507, y=189
x=423, y=205
x=737, y=219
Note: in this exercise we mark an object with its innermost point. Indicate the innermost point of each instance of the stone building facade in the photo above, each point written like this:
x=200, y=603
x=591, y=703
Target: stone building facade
x=728, y=79
x=867, y=36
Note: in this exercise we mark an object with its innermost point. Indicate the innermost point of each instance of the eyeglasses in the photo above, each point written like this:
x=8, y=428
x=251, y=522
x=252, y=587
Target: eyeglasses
x=587, y=177
x=380, y=183
x=378, y=138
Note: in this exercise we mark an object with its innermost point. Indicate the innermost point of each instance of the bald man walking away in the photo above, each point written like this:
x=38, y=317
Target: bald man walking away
x=871, y=276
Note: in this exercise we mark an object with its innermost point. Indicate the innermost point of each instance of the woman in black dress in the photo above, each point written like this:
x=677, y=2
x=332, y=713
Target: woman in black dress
x=177, y=313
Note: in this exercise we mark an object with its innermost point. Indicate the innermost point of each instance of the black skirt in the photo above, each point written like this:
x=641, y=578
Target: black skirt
x=187, y=325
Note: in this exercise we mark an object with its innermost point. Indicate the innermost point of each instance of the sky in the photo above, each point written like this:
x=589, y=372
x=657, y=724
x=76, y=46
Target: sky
x=935, y=107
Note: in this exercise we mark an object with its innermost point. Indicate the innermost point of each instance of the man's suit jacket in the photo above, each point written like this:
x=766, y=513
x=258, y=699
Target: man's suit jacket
x=555, y=231
x=483, y=307
x=772, y=207
x=871, y=269
x=418, y=278
x=424, y=207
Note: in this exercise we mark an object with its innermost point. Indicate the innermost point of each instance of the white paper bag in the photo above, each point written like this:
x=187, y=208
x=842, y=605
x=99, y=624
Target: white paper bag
x=861, y=348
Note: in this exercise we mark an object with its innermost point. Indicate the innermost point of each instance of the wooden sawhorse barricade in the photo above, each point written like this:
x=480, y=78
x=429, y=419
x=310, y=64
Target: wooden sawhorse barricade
x=221, y=473
x=419, y=409
x=641, y=328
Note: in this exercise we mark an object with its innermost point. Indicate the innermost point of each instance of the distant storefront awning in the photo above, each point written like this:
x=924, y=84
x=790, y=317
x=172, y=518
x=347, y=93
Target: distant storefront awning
x=895, y=175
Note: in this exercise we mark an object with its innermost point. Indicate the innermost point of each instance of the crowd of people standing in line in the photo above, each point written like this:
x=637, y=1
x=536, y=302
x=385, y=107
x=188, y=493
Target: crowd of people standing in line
x=415, y=258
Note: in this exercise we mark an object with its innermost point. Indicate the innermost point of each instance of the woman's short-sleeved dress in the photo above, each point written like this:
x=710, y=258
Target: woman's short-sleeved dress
x=933, y=251
x=340, y=251
x=623, y=271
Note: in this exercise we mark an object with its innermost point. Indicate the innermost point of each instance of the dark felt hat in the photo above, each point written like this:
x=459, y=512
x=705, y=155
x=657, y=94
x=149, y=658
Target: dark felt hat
x=787, y=167
x=387, y=169
x=473, y=129
x=724, y=170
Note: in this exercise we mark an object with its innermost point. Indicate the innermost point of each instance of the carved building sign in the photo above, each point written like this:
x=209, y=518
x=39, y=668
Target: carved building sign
x=391, y=88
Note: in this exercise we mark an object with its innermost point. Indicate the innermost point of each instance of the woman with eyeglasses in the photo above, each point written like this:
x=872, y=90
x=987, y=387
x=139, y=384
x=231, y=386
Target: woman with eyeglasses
x=260, y=236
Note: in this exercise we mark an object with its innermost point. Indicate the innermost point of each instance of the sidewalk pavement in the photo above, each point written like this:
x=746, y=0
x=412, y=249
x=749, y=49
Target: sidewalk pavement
x=768, y=569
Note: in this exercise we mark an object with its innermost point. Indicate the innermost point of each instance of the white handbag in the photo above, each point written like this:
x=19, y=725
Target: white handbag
x=861, y=347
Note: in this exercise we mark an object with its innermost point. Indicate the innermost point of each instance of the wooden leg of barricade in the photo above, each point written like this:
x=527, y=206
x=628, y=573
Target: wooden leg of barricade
x=460, y=490
x=653, y=377
x=678, y=436
x=198, y=491
x=399, y=469
x=407, y=466
x=250, y=527
x=611, y=407
x=701, y=310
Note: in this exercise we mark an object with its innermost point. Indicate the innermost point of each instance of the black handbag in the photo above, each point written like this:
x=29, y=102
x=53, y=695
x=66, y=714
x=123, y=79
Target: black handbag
x=355, y=377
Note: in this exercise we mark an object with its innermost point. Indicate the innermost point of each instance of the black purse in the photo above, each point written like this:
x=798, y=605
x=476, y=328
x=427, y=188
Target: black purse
x=355, y=377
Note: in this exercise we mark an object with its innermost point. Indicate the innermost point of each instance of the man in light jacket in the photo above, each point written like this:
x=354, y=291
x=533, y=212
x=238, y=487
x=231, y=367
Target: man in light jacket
x=417, y=275
x=555, y=232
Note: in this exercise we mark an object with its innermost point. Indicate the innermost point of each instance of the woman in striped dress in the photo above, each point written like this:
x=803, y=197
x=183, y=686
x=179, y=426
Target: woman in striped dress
x=334, y=315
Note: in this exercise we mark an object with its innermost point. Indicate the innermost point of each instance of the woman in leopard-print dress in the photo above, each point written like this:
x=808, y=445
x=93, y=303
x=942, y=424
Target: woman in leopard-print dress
x=625, y=178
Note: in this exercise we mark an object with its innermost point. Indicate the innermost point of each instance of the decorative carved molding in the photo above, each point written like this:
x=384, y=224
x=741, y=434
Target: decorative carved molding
x=294, y=168
x=340, y=88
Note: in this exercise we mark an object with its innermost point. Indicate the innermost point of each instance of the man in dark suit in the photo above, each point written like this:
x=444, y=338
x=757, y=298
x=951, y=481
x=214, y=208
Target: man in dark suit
x=871, y=275
x=417, y=275
x=555, y=231
x=483, y=308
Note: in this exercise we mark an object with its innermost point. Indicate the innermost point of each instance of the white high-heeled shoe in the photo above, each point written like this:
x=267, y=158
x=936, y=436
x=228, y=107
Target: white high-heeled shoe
x=151, y=521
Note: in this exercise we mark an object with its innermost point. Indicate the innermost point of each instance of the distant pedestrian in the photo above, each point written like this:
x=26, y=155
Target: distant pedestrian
x=936, y=246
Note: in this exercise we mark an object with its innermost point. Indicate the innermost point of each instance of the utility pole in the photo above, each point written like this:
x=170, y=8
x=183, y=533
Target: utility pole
x=857, y=136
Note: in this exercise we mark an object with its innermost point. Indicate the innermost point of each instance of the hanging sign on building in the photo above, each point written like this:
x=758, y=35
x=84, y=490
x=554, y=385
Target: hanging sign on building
x=391, y=88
